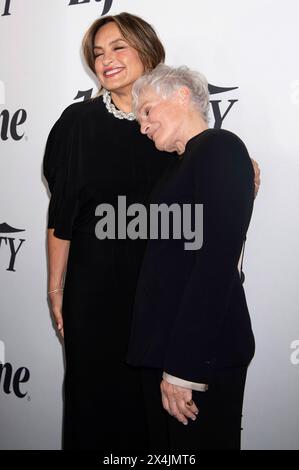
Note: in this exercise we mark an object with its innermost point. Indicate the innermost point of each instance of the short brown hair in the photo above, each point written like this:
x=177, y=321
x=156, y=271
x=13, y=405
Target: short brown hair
x=137, y=32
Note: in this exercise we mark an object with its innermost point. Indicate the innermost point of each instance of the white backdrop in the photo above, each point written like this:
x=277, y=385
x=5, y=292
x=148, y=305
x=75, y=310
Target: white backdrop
x=251, y=45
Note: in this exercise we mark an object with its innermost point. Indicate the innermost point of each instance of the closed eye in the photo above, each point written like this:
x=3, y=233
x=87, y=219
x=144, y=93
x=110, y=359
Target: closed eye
x=99, y=54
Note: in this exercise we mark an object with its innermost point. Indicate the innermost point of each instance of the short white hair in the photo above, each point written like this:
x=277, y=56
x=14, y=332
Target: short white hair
x=165, y=80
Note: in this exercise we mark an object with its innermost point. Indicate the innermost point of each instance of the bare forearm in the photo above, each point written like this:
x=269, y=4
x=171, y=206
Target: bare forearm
x=58, y=251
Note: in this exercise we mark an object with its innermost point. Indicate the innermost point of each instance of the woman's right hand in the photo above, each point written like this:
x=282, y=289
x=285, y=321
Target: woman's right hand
x=56, y=307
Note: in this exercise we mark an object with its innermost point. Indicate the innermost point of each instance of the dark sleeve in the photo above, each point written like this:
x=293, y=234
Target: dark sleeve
x=60, y=170
x=224, y=184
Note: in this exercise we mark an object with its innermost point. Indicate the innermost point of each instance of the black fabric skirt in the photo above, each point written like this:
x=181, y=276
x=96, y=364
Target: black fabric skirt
x=104, y=408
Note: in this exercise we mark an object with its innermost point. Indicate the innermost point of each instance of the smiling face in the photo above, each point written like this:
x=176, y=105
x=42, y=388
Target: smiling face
x=161, y=119
x=117, y=64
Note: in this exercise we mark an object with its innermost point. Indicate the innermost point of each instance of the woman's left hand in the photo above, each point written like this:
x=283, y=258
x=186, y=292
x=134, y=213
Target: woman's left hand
x=175, y=400
x=257, y=177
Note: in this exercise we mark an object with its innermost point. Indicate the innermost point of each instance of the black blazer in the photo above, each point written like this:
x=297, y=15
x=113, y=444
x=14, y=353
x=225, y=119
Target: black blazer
x=190, y=315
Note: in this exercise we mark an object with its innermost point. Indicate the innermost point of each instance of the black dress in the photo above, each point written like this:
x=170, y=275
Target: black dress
x=92, y=158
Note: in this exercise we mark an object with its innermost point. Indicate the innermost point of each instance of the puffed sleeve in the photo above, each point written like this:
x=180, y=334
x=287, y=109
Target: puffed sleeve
x=60, y=166
x=224, y=184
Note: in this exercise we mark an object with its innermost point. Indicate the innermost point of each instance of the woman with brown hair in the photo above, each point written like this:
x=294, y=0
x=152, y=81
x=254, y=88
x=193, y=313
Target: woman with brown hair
x=95, y=153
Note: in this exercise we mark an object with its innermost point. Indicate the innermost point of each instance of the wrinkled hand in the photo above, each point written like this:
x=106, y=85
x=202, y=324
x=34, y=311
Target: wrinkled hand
x=56, y=306
x=175, y=399
x=257, y=177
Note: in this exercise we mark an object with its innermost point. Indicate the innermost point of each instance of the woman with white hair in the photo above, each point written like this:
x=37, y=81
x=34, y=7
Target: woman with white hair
x=191, y=329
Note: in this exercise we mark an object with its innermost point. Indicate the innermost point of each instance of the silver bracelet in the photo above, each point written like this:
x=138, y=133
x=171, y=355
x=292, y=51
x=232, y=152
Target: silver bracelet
x=55, y=290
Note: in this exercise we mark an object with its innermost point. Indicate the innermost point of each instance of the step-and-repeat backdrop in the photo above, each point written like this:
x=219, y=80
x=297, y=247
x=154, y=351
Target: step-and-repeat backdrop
x=248, y=51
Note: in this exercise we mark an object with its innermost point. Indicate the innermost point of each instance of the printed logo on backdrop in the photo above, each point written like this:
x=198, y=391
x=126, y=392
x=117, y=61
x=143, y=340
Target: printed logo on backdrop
x=10, y=122
x=219, y=107
x=107, y=4
x=294, y=85
x=10, y=245
x=6, y=7
x=12, y=379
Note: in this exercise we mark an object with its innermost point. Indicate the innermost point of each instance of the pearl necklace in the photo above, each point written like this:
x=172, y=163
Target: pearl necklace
x=112, y=109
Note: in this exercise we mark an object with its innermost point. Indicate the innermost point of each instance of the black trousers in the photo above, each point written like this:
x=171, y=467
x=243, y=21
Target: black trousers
x=218, y=424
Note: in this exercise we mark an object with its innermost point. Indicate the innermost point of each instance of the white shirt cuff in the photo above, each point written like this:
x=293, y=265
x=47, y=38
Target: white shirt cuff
x=185, y=383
